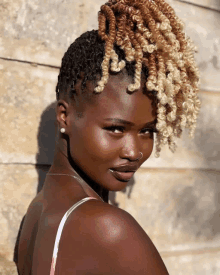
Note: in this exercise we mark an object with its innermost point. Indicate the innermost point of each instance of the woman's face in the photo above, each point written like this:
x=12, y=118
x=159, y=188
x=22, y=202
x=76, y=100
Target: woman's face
x=99, y=141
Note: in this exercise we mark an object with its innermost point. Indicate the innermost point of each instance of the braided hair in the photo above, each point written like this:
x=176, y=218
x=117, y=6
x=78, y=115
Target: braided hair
x=144, y=37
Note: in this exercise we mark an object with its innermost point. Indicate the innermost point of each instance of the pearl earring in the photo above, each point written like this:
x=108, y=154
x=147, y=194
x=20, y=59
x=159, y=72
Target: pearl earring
x=62, y=130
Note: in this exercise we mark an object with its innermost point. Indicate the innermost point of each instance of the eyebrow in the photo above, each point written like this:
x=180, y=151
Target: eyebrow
x=128, y=123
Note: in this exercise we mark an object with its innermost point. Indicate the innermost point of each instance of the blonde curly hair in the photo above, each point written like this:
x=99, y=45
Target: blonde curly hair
x=150, y=33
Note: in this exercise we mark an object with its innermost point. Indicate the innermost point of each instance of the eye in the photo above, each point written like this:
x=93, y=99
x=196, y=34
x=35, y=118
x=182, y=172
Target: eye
x=149, y=131
x=120, y=129
x=115, y=128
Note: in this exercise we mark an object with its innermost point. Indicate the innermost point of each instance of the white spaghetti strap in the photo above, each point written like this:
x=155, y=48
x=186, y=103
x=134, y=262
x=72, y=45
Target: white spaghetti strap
x=59, y=232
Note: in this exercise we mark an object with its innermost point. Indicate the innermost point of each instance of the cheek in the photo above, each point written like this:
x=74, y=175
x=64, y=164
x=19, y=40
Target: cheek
x=93, y=144
x=148, y=147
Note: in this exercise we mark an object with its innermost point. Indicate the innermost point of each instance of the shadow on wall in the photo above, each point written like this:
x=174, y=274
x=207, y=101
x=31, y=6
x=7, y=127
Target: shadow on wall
x=46, y=143
x=207, y=140
x=198, y=207
x=44, y=157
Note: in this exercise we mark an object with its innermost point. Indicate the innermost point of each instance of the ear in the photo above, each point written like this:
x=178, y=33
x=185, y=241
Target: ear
x=62, y=113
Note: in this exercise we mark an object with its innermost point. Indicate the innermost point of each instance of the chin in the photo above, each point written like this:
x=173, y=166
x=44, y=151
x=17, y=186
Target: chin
x=120, y=185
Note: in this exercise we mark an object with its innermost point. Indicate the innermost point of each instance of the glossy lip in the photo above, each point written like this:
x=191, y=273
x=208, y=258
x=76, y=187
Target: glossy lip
x=129, y=167
x=122, y=176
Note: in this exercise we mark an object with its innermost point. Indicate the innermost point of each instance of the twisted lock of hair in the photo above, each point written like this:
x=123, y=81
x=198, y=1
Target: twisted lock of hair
x=107, y=11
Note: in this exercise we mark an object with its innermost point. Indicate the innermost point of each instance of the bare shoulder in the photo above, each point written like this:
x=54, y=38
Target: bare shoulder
x=115, y=242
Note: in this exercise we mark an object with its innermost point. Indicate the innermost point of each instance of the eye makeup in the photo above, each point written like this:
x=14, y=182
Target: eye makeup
x=122, y=129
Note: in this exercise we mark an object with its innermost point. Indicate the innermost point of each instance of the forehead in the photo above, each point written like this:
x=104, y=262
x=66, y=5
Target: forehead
x=116, y=101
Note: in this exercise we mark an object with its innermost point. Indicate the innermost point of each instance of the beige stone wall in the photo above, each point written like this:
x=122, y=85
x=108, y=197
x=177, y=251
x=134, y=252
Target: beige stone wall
x=175, y=198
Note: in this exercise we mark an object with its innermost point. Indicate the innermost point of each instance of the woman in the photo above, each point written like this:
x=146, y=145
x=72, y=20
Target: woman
x=117, y=86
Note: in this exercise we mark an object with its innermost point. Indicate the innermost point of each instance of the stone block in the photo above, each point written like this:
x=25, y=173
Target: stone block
x=26, y=95
x=202, y=25
x=42, y=31
x=7, y=267
x=28, y=114
x=211, y=4
x=178, y=209
x=18, y=186
x=200, y=263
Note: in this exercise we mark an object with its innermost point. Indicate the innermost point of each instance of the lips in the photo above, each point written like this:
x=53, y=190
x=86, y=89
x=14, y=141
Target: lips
x=122, y=176
x=124, y=172
x=130, y=167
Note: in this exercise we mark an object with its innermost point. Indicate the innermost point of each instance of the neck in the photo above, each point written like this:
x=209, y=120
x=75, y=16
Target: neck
x=63, y=164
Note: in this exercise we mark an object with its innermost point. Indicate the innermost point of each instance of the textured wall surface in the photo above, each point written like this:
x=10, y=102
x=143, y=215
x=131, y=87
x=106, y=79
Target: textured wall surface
x=209, y=4
x=175, y=198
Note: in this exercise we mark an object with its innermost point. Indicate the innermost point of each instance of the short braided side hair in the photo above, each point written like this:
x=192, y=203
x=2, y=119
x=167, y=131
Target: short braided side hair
x=85, y=55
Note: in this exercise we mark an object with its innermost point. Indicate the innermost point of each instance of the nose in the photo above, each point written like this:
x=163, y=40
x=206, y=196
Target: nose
x=131, y=149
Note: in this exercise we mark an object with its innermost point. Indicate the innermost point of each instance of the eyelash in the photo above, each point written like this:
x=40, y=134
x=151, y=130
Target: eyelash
x=121, y=128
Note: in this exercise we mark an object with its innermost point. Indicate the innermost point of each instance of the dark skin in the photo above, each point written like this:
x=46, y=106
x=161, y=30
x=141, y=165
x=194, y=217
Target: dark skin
x=98, y=238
